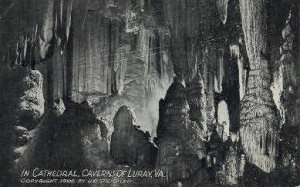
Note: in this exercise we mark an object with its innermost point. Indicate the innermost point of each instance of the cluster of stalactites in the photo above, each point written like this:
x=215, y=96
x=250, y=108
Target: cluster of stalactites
x=260, y=146
x=35, y=30
x=23, y=53
x=55, y=26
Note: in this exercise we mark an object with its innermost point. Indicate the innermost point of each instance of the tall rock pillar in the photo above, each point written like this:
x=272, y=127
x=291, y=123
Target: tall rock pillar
x=259, y=118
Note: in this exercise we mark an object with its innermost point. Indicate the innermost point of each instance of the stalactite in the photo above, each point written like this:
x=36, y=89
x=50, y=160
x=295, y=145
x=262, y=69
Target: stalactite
x=222, y=6
x=45, y=34
x=185, y=30
x=70, y=65
x=90, y=53
x=62, y=22
x=50, y=83
x=219, y=77
x=236, y=53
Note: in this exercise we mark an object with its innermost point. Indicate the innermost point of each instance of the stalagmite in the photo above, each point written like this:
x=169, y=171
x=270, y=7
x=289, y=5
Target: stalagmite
x=129, y=144
x=181, y=141
x=197, y=101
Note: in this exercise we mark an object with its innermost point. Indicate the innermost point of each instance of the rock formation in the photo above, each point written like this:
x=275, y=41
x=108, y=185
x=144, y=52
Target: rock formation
x=37, y=151
x=23, y=106
x=287, y=68
x=68, y=139
x=216, y=149
x=181, y=141
x=130, y=145
x=91, y=138
x=259, y=116
x=197, y=101
x=78, y=76
x=233, y=167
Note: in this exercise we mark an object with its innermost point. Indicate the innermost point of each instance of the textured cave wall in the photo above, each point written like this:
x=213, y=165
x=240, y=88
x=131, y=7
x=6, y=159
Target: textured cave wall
x=287, y=68
x=289, y=58
x=283, y=53
x=96, y=39
x=121, y=49
x=40, y=143
x=286, y=78
x=182, y=18
x=259, y=115
x=110, y=42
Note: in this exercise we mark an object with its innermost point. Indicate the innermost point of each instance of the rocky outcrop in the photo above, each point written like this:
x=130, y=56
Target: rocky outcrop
x=181, y=141
x=74, y=139
x=26, y=98
x=259, y=118
x=106, y=110
x=31, y=101
x=37, y=150
x=23, y=105
x=79, y=123
x=130, y=145
x=24, y=95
